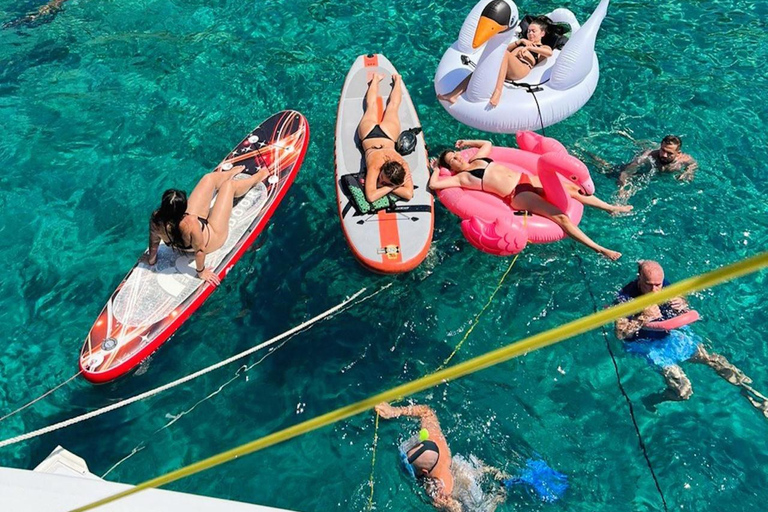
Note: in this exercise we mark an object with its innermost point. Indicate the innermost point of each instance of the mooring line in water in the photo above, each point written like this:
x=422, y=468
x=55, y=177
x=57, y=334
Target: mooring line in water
x=477, y=317
x=494, y=357
x=240, y=371
x=373, y=460
x=444, y=363
x=63, y=424
x=640, y=440
x=40, y=397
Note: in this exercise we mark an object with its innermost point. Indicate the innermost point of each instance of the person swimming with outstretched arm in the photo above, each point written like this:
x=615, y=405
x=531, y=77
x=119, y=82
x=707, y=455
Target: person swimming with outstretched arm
x=667, y=158
x=431, y=461
x=192, y=225
x=465, y=483
x=44, y=13
x=522, y=191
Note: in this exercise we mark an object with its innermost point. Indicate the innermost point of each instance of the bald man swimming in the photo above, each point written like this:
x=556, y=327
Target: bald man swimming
x=666, y=351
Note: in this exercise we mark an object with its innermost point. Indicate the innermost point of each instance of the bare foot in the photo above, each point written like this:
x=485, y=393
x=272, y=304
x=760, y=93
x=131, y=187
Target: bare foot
x=396, y=78
x=494, y=101
x=228, y=169
x=447, y=97
x=758, y=403
x=376, y=77
x=735, y=377
x=621, y=208
x=247, y=181
x=611, y=255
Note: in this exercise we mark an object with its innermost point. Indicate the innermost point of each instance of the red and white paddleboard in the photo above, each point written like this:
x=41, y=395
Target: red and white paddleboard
x=151, y=303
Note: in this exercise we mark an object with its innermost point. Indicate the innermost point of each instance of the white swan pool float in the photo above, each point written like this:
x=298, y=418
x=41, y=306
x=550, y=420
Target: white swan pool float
x=562, y=84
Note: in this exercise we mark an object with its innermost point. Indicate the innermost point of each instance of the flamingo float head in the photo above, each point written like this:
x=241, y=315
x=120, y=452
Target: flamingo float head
x=497, y=16
x=570, y=168
x=556, y=158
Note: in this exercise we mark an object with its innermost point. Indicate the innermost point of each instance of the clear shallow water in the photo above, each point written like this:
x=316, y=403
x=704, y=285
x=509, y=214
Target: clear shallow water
x=113, y=102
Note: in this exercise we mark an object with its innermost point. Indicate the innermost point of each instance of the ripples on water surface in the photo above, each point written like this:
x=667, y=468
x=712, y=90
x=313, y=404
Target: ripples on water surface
x=113, y=102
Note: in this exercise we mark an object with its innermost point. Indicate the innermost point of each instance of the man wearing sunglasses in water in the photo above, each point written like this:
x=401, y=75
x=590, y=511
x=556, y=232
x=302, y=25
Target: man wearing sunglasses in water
x=667, y=158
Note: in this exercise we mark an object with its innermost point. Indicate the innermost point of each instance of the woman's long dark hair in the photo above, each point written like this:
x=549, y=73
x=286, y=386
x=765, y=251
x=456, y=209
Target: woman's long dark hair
x=169, y=215
x=549, y=26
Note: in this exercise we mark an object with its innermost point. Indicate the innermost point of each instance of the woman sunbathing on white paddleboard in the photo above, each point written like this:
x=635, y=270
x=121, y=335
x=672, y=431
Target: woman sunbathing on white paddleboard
x=386, y=171
x=192, y=225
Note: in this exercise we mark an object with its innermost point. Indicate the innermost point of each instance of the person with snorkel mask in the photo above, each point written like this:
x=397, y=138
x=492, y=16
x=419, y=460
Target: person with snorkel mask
x=430, y=457
x=453, y=484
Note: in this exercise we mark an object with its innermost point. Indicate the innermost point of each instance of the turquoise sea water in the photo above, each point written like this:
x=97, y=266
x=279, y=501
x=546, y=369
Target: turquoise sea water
x=115, y=101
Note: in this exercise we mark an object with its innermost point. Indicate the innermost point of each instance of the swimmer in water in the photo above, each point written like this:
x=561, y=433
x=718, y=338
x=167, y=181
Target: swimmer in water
x=44, y=14
x=665, y=353
x=667, y=158
x=431, y=460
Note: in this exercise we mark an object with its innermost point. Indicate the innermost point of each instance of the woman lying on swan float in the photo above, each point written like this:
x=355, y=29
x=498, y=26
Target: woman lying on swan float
x=477, y=79
x=495, y=189
x=519, y=60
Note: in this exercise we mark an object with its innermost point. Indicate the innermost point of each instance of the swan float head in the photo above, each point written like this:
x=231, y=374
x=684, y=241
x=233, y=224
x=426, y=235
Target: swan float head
x=497, y=16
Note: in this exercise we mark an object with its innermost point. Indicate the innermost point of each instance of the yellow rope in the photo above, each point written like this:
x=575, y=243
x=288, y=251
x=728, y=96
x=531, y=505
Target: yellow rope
x=447, y=360
x=477, y=317
x=500, y=355
x=373, y=460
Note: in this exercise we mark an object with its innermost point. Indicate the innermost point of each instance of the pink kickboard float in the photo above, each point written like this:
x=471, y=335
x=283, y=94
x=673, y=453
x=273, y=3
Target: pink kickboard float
x=150, y=304
x=677, y=322
x=491, y=225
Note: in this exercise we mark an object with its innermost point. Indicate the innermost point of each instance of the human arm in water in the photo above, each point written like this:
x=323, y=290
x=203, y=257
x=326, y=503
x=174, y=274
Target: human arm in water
x=691, y=166
x=629, y=326
x=631, y=168
x=678, y=304
x=43, y=14
x=425, y=414
x=443, y=501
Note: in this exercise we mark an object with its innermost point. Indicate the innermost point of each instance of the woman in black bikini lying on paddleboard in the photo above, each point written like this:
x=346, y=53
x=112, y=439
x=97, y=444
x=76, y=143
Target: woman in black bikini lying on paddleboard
x=386, y=171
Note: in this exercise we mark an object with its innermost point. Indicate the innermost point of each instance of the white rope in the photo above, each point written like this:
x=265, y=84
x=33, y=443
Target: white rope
x=147, y=394
x=40, y=397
